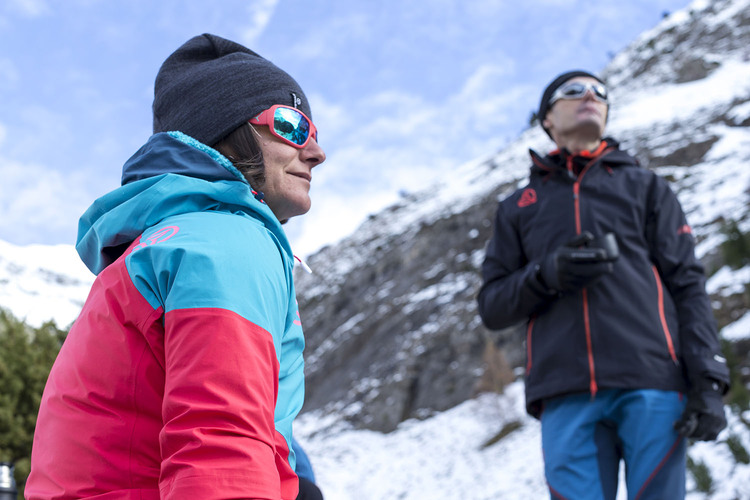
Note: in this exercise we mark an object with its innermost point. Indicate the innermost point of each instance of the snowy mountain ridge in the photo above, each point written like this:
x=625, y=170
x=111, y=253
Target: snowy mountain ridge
x=690, y=125
x=403, y=348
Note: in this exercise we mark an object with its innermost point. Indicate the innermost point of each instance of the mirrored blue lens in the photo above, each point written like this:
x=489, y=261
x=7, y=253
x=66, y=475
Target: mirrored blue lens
x=291, y=125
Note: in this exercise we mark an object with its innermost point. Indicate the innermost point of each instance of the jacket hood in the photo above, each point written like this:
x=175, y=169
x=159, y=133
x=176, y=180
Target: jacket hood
x=171, y=174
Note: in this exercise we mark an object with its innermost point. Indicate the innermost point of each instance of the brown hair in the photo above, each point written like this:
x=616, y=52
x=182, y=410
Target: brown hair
x=242, y=149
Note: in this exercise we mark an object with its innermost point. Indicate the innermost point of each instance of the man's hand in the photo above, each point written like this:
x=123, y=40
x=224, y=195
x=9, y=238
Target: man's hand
x=579, y=262
x=703, y=417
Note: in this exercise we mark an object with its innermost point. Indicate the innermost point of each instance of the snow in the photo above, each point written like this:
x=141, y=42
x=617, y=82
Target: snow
x=43, y=282
x=680, y=102
x=731, y=480
x=446, y=457
x=728, y=281
x=739, y=330
x=441, y=457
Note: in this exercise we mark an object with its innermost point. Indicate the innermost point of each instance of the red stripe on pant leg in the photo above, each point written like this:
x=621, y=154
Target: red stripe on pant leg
x=659, y=467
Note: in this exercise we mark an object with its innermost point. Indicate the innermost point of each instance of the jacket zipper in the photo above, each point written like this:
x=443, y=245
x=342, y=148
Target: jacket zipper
x=593, y=387
x=662, y=316
x=529, y=329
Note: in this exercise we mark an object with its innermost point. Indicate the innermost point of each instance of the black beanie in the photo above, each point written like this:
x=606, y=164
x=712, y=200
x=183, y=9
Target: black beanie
x=554, y=85
x=209, y=86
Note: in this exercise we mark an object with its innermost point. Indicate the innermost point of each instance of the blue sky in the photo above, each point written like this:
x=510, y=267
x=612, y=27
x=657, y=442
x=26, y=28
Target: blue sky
x=402, y=92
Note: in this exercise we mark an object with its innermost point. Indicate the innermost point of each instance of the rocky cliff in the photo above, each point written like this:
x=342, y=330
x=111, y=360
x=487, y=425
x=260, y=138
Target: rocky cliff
x=390, y=313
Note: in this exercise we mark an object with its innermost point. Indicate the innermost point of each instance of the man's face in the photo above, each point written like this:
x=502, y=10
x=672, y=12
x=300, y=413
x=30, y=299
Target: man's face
x=584, y=117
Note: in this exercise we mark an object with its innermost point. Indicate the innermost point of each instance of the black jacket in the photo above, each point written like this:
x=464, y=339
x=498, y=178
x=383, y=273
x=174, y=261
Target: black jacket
x=649, y=324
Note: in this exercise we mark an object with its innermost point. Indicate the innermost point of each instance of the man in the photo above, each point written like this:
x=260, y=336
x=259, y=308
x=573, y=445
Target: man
x=596, y=255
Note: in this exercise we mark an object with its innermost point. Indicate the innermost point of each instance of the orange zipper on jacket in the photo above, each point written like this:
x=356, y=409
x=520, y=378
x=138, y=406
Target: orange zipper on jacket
x=662, y=316
x=595, y=155
x=593, y=388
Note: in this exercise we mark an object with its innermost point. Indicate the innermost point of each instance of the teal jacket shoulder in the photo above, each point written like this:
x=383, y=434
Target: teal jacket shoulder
x=171, y=174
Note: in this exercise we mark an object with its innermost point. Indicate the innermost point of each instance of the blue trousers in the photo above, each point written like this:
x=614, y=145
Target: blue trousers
x=584, y=439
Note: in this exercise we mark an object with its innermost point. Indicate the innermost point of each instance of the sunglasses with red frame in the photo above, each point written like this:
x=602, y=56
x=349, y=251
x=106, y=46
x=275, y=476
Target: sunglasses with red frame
x=288, y=124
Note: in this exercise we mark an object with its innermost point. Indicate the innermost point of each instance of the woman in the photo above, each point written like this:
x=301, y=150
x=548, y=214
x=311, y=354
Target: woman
x=183, y=373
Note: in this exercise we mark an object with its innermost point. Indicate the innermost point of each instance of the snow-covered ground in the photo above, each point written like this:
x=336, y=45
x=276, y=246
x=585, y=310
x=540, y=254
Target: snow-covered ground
x=442, y=457
x=446, y=457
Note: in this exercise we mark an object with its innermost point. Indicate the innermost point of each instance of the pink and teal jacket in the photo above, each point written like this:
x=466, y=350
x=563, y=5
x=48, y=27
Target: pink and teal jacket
x=183, y=373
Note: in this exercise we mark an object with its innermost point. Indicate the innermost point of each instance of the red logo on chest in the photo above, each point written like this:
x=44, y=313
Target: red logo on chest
x=528, y=197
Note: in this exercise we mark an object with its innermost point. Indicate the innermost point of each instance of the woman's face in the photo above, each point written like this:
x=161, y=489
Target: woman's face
x=288, y=173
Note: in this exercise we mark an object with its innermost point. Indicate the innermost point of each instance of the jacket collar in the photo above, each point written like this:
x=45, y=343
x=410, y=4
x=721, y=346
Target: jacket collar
x=164, y=154
x=562, y=161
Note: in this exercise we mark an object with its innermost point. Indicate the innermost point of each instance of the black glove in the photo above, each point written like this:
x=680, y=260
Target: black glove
x=703, y=417
x=579, y=263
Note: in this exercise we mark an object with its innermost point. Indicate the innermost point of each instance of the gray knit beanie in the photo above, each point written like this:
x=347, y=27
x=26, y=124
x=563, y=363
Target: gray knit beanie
x=554, y=85
x=210, y=86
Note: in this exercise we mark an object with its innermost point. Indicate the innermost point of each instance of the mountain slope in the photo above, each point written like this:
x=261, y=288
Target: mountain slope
x=394, y=341
x=390, y=312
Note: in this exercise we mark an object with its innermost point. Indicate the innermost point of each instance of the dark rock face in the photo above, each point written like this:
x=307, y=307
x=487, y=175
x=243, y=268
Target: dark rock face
x=390, y=313
x=400, y=337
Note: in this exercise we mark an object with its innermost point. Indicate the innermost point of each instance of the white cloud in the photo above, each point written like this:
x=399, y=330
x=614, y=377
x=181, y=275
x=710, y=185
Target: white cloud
x=36, y=127
x=260, y=12
x=37, y=201
x=491, y=100
x=486, y=77
x=401, y=93
x=396, y=142
x=29, y=8
x=334, y=35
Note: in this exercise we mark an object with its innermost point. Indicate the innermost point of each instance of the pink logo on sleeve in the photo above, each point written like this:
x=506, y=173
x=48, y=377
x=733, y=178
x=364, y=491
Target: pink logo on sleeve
x=160, y=235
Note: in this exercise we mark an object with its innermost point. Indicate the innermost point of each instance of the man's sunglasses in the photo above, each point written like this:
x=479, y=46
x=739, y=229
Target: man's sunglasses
x=288, y=124
x=576, y=90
